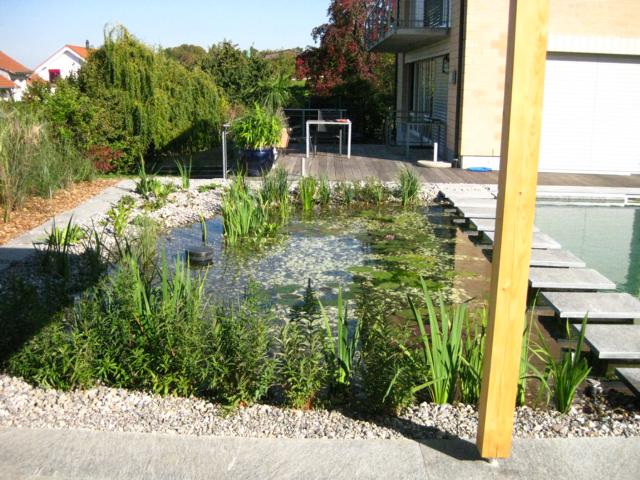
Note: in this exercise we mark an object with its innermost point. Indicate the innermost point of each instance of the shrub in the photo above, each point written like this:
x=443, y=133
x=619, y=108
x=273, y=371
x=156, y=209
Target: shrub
x=257, y=129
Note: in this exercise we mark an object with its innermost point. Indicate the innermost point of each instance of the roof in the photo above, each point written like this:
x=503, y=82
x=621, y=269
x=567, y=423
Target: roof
x=8, y=64
x=35, y=78
x=82, y=51
x=6, y=83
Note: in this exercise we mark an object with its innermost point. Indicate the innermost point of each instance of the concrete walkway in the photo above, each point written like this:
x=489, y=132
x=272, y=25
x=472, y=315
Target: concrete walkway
x=71, y=454
x=21, y=247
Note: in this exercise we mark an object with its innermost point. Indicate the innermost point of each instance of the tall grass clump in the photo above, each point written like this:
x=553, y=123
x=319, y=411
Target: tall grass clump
x=245, y=215
x=307, y=188
x=324, y=191
x=33, y=161
x=185, y=174
x=564, y=376
x=409, y=186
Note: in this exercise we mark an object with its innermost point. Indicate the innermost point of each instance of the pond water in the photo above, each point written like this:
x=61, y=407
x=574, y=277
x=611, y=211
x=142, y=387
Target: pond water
x=374, y=256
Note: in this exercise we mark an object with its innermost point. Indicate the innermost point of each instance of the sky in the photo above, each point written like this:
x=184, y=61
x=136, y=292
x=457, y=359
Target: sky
x=31, y=30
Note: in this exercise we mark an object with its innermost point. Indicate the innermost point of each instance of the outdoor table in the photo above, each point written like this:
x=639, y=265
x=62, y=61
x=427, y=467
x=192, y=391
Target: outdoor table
x=346, y=123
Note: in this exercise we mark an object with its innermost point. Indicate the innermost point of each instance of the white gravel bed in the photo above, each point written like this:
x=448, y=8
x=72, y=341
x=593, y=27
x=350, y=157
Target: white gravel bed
x=107, y=409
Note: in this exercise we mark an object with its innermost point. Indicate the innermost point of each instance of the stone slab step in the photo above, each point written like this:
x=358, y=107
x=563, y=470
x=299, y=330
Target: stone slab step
x=477, y=212
x=489, y=224
x=544, y=278
x=614, y=342
x=555, y=258
x=631, y=378
x=599, y=305
x=477, y=202
x=539, y=240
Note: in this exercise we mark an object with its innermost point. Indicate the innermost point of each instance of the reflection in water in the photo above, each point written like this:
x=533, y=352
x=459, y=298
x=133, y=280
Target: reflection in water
x=606, y=238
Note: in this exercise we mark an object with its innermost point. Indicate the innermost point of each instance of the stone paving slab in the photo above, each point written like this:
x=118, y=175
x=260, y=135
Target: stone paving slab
x=568, y=279
x=598, y=305
x=477, y=203
x=614, y=342
x=477, y=212
x=539, y=240
x=555, y=258
x=631, y=378
x=489, y=224
x=74, y=454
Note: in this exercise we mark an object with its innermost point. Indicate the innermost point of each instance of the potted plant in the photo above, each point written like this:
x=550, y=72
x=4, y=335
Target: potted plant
x=257, y=133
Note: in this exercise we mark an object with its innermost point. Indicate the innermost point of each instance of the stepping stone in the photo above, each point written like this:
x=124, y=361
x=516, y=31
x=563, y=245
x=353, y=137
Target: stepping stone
x=477, y=212
x=489, y=224
x=600, y=305
x=613, y=342
x=459, y=197
x=477, y=202
x=539, y=240
x=568, y=279
x=631, y=378
x=555, y=258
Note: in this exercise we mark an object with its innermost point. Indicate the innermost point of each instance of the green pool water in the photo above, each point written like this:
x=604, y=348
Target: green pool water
x=606, y=238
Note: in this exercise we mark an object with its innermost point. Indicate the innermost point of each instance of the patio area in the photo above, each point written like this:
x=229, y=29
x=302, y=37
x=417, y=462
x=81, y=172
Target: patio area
x=385, y=163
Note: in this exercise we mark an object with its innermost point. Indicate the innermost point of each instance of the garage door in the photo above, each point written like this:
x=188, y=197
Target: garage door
x=591, y=116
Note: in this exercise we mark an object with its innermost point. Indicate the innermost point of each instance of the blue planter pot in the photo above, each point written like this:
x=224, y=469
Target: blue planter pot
x=257, y=162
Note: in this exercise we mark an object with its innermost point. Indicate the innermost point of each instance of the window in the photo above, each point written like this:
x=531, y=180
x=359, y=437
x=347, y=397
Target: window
x=54, y=73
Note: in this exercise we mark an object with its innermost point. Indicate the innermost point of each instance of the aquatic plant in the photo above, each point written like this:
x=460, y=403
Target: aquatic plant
x=346, y=192
x=307, y=188
x=185, y=174
x=372, y=191
x=324, y=191
x=409, y=186
x=342, y=348
x=564, y=376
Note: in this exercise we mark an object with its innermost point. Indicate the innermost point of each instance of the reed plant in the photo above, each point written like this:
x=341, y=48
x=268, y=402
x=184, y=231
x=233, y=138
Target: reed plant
x=307, y=189
x=373, y=191
x=409, y=186
x=472, y=357
x=275, y=186
x=185, y=173
x=342, y=348
x=346, y=192
x=324, y=191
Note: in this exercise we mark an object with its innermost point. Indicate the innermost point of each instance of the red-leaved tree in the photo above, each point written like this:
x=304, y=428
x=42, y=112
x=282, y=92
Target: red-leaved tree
x=341, y=56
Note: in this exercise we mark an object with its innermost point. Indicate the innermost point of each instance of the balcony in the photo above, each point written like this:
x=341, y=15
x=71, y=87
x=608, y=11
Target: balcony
x=398, y=26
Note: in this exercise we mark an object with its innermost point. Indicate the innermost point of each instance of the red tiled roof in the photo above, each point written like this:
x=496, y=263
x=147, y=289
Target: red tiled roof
x=6, y=83
x=8, y=64
x=35, y=78
x=82, y=51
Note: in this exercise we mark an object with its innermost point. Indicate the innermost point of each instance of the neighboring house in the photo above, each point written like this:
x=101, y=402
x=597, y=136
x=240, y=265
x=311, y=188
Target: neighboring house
x=451, y=57
x=13, y=78
x=63, y=63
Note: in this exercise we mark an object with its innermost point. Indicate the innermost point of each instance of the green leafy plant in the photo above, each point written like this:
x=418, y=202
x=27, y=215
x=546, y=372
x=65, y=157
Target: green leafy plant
x=441, y=350
x=342, y=348
x=275, y=186
x=120, y=214
x=373, y=191
x=472, y=356
x=409, y=186
x=65, y=237
x=208, y=187
x=185, y=174
x=324, y=191
x=568, y=373
x=203, y=230
x=346, y=192
x=307, y=188
x=257, y=129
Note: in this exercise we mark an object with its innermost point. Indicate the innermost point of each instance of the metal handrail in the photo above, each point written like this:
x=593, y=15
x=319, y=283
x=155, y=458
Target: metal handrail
x=385, y=17
x=415, y=129
x=297, y=118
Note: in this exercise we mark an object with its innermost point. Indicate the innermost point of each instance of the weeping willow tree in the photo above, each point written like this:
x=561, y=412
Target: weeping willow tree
x=147, y=103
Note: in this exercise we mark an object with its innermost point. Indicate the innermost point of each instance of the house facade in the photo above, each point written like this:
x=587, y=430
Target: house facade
x=450, y=70
x=14, y=78
x=64, y=62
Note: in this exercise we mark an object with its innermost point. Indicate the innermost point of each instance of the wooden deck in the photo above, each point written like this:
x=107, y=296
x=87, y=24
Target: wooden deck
x=385, y=163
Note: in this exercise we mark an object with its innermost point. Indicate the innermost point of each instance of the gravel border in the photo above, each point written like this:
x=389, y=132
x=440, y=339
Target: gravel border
x=108, y=409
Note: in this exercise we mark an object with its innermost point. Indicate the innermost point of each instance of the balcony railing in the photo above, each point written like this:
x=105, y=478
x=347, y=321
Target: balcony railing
x=386, y=18
x=415, y=129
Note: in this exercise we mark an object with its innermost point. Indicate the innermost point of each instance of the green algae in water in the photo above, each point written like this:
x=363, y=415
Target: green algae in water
x=374, y=255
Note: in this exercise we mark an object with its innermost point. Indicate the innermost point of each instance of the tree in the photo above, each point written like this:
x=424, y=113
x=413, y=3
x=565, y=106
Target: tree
x=190, y=56
x=342, y=56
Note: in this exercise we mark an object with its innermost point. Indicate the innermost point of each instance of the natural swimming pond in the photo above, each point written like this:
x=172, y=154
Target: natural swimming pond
x=606, y=238
x=373, y=255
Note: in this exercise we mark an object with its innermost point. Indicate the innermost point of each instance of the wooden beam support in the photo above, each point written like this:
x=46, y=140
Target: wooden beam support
x=526, y=57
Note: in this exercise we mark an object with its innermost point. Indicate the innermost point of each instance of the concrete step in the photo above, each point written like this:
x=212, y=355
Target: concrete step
x=631, y=378
x=477, y=212
x=539, y=240
x=544, y=278
x=489, y=224
x=555, y=258
x=599, y=305
x=614, y=342
x=476, y=202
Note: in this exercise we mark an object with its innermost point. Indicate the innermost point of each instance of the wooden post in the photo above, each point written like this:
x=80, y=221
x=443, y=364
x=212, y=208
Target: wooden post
x=526, y=57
